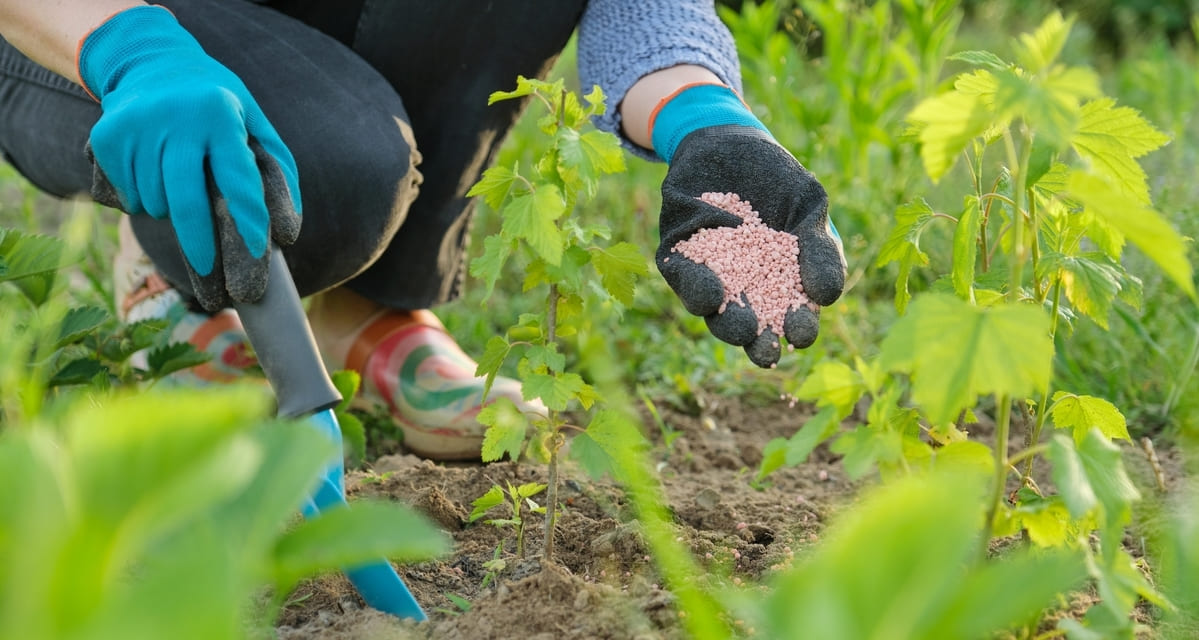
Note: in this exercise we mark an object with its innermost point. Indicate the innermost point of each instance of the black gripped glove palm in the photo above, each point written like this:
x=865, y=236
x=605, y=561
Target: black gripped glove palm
x=737, y=155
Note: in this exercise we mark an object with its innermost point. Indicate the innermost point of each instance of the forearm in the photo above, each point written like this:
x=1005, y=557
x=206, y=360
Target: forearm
x=646, y=93
x=49, y=31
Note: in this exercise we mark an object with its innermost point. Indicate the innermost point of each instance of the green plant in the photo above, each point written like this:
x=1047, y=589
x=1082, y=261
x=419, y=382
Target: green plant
x=118, y=525
x=1057, y=192
x=559, y=248
x=516, y=499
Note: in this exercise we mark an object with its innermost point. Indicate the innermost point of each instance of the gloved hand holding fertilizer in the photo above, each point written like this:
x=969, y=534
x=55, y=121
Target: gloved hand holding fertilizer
x=175, y=125
x=746, y=241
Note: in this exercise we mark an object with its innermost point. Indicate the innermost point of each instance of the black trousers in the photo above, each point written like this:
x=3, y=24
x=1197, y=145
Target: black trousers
x=362, y=91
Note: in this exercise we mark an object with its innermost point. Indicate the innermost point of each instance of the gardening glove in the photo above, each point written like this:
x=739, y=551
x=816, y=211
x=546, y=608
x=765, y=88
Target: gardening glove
x=378, y=583
x=714, y=144
x=175, y=126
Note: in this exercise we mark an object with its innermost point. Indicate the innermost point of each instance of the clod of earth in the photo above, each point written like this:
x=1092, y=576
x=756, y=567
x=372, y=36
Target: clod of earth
x=756, y=264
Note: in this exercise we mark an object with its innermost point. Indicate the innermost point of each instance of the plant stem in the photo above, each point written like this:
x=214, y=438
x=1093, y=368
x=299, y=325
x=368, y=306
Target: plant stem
x=1002, y=429
x=1043, y=407
x=551, y=496
x=551, y=507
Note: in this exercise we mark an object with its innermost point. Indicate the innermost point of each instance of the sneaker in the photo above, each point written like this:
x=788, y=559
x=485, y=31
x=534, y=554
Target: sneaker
x=411, y=366
x=143, y=294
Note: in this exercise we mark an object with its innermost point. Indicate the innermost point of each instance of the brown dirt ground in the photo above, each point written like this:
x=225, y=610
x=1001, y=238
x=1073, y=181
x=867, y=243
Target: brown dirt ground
x=601, y=584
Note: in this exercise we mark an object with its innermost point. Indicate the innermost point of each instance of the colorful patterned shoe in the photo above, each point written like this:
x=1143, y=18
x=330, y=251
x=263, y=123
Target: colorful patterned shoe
x=144, y=295
x=413, y=367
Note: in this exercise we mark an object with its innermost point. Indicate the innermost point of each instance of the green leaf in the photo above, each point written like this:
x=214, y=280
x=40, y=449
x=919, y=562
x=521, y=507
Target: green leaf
x=1082, y=413
x=981, y=59
x=1039, y=49
x=1092, y=476
x=353, y=434
x=494, y=186
x=864, y=447
x=903, y=563
x=556, y=391
x=1110, y=138
x=948, y=122
x=1047, y=521
x=619, y=266
x=833, y=383
x=173, y=357
x=30, y=261
x=609, y=440
x=583, y=158
x=347, y=382
x=903, y=246
x=78, y=371
x=353, y=536
x=79, y=322
x=596, y=101
x=1092, y=282
x=506, y=428
x=1051, y=105
x=528, y=490
x=546, y=356
x=484, y=503
x=493, y=357
x=524, y=87
x=954, y=352
x=1146, y=228
x=965, y=249
x=532, y=217
x=794, y=451
x=490, y=266
x=965, y=455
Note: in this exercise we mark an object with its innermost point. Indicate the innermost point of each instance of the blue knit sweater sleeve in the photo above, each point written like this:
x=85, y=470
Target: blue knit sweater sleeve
x=622, y=40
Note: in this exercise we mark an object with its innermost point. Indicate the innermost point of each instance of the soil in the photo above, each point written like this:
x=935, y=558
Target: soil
x=601, y=583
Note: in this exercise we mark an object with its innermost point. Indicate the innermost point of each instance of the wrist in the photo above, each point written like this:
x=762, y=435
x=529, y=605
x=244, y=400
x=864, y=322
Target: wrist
x=113, y=49
x=693, y=107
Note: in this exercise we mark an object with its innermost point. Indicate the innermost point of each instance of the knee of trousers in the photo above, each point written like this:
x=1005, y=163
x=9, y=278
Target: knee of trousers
x=359, y=174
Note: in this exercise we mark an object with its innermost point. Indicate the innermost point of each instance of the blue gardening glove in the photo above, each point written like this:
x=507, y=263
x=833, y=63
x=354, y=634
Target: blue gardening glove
x=713, y=143
x=378, y=583
x=177, y=125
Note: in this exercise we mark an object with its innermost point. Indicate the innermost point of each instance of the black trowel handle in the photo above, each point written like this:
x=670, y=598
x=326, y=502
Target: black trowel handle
x=278, y=330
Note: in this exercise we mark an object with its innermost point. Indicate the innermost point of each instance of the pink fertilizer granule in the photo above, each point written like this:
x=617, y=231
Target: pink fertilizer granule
x=750, y=259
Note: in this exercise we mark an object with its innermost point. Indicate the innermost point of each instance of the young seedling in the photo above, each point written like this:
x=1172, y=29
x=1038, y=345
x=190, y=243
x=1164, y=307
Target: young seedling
x=565, y=259
x=516, y=499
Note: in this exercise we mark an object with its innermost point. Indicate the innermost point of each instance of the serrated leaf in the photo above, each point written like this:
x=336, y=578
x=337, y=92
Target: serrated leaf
x=532, y=217
x=793, y=451
x=556, y=391
x=77, y=323
x=494, y=186
x=30, y=262
x=546, y=356
x=1083, y=413
x=1091, y=476
x=506, y=429
x=489, y=363
x=490, y=265
x=609, y=440
x=1092, y=282
x=834, y=384
x=619, y=266
x=965, y=249
x=1051, y=105
x=524, y=87
x=584, y=157
x=948, y=122
x=596, y=101
x=173, y=357
x=903, y=246
x=1039, y=49
x=980, y=59
x=78, y=371
x=484, y=503
x=1110, y=138
x=1143, y=226
x=528, y=490
x=955, y=352
x=1047, y=521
